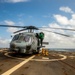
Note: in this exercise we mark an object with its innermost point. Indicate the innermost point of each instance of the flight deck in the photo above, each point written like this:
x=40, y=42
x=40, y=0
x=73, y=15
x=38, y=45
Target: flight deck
x=45, y=63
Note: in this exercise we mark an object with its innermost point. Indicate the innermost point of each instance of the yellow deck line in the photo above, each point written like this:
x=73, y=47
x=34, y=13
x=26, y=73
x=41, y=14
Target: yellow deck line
x=17, y=66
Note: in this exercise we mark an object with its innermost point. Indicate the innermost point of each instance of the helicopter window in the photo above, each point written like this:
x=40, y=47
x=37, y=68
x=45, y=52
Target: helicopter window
x=26, y=38
x=15, y=37
x=21, y=38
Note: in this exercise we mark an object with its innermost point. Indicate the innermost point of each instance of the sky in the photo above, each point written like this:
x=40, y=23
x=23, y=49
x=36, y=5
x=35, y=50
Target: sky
x=39, y=13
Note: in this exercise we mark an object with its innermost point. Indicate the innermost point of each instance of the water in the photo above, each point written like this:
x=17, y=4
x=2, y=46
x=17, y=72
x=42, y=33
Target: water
x=62, y=49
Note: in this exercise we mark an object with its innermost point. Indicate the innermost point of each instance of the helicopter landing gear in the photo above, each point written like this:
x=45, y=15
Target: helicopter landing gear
x=38, y=51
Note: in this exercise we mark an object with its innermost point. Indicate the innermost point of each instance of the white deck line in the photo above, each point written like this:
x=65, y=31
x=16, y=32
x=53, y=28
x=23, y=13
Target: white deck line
x=63, y=57
x=17, y=66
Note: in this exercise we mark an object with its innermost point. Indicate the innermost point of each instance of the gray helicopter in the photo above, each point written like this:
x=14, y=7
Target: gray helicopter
x=27, y=42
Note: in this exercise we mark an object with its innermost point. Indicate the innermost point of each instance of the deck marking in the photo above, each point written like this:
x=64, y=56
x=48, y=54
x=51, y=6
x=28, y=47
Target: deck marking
x=45, y=58
x=17, y=66
x=63, y=58
x=6, y=54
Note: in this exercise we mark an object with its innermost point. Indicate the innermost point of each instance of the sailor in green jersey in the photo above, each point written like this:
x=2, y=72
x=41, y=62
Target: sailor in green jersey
x=41, y=37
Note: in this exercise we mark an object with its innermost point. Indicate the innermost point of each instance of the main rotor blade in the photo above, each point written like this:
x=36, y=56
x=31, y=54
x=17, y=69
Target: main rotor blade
x=59, y=28
x=20, y=30
x=13, y=26
x=63, y=29
x=56, y=33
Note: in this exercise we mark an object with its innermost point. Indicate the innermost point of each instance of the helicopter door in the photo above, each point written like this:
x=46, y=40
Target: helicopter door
x=34, y=43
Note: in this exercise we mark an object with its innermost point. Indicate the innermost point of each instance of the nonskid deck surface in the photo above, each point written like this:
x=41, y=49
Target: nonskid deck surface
x=55, y=63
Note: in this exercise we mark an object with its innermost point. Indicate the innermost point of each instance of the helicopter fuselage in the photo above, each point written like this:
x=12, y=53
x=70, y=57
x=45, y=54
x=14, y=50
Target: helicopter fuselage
x=24, y=43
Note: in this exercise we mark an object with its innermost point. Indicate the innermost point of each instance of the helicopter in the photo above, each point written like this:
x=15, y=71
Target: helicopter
x=27, y=42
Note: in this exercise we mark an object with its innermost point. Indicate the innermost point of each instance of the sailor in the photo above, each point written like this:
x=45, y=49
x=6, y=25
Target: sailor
x=41, y=37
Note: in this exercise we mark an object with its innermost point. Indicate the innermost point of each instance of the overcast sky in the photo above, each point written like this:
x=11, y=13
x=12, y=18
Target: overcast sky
x=48, y=13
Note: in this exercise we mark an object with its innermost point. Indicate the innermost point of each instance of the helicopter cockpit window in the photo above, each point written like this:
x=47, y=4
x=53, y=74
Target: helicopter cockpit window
x=21, y=38
x=15, y=37
x=26, y=38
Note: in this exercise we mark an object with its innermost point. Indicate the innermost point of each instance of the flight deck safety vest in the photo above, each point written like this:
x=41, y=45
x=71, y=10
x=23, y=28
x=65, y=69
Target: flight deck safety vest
x=41, y=35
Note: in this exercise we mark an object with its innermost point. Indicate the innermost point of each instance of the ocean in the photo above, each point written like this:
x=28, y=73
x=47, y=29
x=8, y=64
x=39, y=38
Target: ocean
x=62, y=49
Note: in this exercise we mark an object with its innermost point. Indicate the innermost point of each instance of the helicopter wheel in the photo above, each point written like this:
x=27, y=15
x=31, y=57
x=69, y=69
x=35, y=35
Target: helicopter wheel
x=37, y=52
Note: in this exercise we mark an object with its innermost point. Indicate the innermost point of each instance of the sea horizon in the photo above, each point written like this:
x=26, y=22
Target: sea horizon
x=62, y=49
